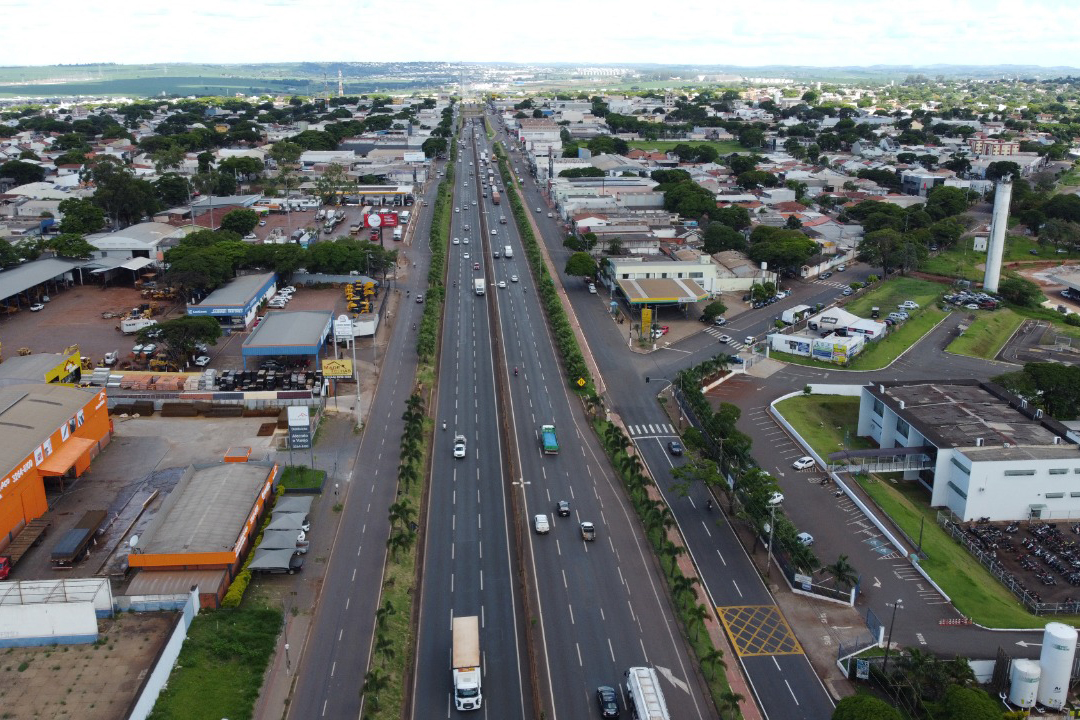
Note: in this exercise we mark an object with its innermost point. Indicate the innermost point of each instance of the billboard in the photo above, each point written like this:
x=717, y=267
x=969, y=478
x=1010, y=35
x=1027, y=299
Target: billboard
x=337, y=368
x=381, y=219
x=415, y=157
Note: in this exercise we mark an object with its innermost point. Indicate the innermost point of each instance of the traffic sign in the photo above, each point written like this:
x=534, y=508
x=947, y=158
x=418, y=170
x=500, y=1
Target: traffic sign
x=581, y=382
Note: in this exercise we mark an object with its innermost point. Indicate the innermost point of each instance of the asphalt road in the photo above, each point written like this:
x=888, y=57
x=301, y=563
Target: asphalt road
x=469, y=566
x=785, y=685
x=335, y=658
x=585, y=640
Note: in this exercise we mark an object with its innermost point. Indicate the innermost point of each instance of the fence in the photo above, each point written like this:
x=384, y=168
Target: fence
x=1030, y=600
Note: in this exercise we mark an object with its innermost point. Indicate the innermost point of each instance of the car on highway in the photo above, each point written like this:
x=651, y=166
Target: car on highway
x=502, y=284
x=202, y=361
x=459, y=446
x=720, y=322
x=37, y=307
x=550, y=215
x=513, y=278
x=826, y=275
x=675, y=447
x=588, y=531
x=748, y=340
x=474, y=202
x=457, y=209
x=563, y=508
x=608, y=701
x=537, y=209
x=725, y=339
x=464, y=241
x=476, y=266
x=457, y=241
x=803, y=463
x=419, y=298
x=465, y=256
x=841, y=268
x=494, y=231
x=540, y=522
x=848, y=291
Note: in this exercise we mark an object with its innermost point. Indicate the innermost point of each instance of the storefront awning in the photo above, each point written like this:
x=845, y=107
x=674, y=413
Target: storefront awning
x=75, y=451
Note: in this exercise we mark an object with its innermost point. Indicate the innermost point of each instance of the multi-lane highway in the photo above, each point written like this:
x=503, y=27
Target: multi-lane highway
x=782, y=677
x=597, y=608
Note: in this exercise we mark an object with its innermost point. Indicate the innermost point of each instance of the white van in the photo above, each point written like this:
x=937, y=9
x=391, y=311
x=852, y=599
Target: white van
x=508, y=252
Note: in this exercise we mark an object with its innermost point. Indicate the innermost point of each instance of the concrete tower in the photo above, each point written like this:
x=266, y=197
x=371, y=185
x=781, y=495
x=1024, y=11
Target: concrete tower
x=998, y=225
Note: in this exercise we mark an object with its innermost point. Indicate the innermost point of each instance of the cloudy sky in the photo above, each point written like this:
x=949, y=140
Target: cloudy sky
x=787, y=32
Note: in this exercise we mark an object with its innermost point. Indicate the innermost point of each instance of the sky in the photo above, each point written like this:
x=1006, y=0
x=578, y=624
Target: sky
x=766, y=32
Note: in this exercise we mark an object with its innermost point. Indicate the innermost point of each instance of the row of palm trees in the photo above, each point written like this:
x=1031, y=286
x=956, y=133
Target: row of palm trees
x=658, y=520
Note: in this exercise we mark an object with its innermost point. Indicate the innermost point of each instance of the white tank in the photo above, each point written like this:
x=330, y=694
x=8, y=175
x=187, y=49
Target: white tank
x=1024, y=682
x=1056, y=660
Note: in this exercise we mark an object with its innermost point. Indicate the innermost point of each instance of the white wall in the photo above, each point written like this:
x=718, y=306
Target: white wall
x=159, y=676
x=63, y=623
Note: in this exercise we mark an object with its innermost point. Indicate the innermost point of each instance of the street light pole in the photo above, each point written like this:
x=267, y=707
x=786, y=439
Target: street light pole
x=772, y=525
x=888, y=643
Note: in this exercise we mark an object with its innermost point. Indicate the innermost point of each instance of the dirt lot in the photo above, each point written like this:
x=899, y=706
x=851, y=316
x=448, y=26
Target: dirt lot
x=90, y=682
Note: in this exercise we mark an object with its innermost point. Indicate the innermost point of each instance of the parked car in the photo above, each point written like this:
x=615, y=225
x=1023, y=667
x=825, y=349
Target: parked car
x=37, y=307
x=805, y=538
x=202, y=361
x=847, y=292
x=720, y=322
x=841, y=268
x=803, y=463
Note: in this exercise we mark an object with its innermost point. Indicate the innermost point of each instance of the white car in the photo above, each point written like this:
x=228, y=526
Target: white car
x=37, y=307
x=276, y=304
x=288, y=288
x=137, y=349
x=805, y=538
x=502, y=283
x=262, y=223
x=464, y=241
x=908, y=305
x=725, y=339
x=513, y=278
x=202, y=361
x=494, y=232
x=473, y=202
x=251, y=236
x=457, y=209
x=149, y=348
x=459, y=449
x=457, y=241
x=540, y=522
x=803, y=463
x=465, y=255
x=777, y=498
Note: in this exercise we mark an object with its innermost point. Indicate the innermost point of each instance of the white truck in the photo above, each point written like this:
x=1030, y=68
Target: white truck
x=466, y=663
x=795, y=314
x=479, y=285
x=508, y=252
x=130, y=326
x=644, y=694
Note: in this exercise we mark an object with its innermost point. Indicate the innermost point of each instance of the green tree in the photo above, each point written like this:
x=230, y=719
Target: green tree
x=948, y=200
x=1061, y=233
x=1020, y=291
x=843, y=572
x=241, y=221
x=177, y=338
x=714, y=310
x=882, y=247
x=580, y=264
x=719, y=237
x=332, y=184
x=751, y=137
x=1000, y=168
x=22, y=172
x=285, y=153
x=434, y=146
x=865, y=707
x=120, y=194
x=70, y=245
x=1063, y=206
x=80, y=217
x=582, y=172
x=963, y=703
x=172, y=190
x=735, y=217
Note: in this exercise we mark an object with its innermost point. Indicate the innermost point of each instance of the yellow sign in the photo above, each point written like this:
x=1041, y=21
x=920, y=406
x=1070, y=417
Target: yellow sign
x=646, y=320
x=581, y=382
x=337, y=368
x=64, y=371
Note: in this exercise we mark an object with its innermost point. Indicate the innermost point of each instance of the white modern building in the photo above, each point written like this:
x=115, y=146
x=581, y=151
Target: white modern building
x=980, y=451
x=136, y=241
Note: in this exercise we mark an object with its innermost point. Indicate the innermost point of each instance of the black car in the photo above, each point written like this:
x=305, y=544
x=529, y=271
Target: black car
x=563, y=508
x=675, y=447
x=608, y=701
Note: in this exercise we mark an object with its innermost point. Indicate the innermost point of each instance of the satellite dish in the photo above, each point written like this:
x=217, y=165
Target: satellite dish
x=133, y=541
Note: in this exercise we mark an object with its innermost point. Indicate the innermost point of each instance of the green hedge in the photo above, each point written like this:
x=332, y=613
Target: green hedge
x=427, y=340
x=574, y=364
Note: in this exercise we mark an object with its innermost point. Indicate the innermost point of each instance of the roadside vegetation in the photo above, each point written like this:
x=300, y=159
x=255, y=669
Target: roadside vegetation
x=824, y=421
x=301, y=477
x=722, y=147
x=985, y=337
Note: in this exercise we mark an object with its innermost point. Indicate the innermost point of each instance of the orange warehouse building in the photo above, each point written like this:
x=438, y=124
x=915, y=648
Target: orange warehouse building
x=47, y=432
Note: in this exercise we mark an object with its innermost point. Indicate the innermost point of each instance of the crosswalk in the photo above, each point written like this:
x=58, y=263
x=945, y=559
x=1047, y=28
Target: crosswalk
x=830, y=283
x=651, y=430
x=732, y=343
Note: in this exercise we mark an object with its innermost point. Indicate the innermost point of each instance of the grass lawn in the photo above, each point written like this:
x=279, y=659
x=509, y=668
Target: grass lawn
x=987, y=335
x=1069, y=179
x=963, y=262
x=887, y=295
x=724, y=147
x=298, y=477
x=824, y=421
x=220, y=670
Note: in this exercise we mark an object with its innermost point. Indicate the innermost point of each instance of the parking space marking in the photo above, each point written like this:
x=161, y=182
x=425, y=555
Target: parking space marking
x=757, y=630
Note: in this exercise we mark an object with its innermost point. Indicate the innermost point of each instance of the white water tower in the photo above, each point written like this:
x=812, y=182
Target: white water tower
x=999, y=224
x=1056, y=661
x=1024, y=683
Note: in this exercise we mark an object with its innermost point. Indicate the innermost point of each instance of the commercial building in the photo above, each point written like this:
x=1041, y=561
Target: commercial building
x=978, y=449
x=661, y=280
x=206, y=524
x=831, y=349
x=146, y=240
x=62, y=368
x=236, y=304
x=289, y=334
x=50, y=432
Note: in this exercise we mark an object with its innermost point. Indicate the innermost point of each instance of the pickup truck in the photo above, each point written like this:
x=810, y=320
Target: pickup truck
x=588, y=531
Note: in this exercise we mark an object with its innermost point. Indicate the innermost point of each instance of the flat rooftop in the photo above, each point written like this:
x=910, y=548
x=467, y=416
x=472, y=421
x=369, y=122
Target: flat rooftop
x=237, y=292
x=31, y=413
x=206, y=511
x=964, y=414
x=290, y=329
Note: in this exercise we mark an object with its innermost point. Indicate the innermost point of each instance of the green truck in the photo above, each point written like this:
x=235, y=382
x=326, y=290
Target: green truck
x=547, y=439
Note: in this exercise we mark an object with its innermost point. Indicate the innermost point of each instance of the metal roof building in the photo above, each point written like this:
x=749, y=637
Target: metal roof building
x=209, y=518
x=29, y=275
x=289, y=333
x=236, y=303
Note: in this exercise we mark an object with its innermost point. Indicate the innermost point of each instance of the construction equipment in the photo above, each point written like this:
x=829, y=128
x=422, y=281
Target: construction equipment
x=25, y=351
